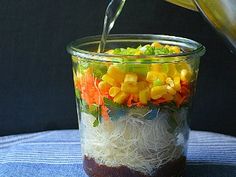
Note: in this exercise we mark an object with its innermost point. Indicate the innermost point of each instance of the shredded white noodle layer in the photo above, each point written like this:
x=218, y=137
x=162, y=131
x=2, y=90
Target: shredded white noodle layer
x=139, y=144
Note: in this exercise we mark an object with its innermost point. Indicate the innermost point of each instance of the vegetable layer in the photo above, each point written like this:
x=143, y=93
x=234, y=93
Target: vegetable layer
x=104, y=87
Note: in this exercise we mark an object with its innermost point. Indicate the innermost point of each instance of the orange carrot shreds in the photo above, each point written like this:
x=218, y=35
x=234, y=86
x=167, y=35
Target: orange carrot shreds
x=77, y=84
x=104, y=87
x=136, y=98
x=106, y=95
x=130, y=100
x=159, y=101
x=184, y=91
x=92, y=94
x=184, y=98
x=133, y=100
x=87, y=98
x=138, y=104
x=184, y=83
x=104, y=113
x=179, y=99
x=89, y=89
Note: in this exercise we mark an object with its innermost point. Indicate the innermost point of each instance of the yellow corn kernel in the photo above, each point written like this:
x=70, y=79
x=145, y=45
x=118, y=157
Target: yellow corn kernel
x=144, y=96
x=116, y=73
x=74, y=58
x=170, y=90
x=155, y=97
x=177, y=74
x=170, y=81
x=165, y=68
x=138, y=52
x=171, y=70
x=158, y=91
x=131, y=78
x=177, y=85
x=168, y=97
x=175, y=49
x=142, y=85
x=183, y=65
x=107, y=78
x=110, y=51
x=113, y=91
x=103, y=86
x=185, y=75
x=120, y=97
x=153, y=75
x=156, y=67
x=167, y=46
x=129, y=88
x=157, y=82
x=156, y=45
x=150, y=85
x=162, y=76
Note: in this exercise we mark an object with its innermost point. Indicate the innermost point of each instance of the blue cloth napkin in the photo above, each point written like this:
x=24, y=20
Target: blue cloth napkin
x=57, y=154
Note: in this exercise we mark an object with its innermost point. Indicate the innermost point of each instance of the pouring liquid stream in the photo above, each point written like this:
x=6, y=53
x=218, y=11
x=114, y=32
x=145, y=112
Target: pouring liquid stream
x=112, y=12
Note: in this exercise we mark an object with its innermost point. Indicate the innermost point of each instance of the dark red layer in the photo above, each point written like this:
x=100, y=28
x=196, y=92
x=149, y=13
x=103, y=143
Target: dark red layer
x=171, y=169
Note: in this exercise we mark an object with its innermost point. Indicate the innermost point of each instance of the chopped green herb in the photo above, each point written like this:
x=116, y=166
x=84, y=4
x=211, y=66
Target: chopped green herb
x=77, y=93
x=149, y=50
x=95, y=110
x=96, y=122
x=145, y=50
x=98, y=69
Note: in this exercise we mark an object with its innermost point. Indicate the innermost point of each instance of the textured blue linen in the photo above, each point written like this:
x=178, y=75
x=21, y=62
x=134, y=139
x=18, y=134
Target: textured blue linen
x=57, y=153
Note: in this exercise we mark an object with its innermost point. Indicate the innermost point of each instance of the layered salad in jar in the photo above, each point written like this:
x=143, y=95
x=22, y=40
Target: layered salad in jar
x=133, y=116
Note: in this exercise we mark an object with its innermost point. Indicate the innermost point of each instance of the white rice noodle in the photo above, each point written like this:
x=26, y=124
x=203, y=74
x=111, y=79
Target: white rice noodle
x=141, y=145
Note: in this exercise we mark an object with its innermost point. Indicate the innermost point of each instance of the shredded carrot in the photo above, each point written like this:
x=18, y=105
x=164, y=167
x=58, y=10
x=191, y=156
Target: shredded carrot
x=130, y=100
x=179, y=99
x=183, y=99
x=77, y=84
x=104, y=113
x=184, y=91
x=184, y=83
x=160, y=100
x=136, y=98
x=88, y=90
x=138, y=104
x=88, y=86
x=105, y=92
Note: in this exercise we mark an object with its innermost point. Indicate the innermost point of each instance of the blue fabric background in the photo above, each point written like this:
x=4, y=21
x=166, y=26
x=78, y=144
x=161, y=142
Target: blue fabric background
x=57, y=154
x=76, y=170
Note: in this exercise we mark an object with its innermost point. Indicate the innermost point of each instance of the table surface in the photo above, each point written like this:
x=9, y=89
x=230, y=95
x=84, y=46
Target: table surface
x=57, y=154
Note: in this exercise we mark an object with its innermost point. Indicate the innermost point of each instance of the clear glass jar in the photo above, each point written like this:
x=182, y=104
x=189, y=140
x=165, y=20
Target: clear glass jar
x=140, y=130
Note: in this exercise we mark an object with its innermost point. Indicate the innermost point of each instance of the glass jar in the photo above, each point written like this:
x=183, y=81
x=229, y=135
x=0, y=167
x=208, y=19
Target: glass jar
x=140, y=129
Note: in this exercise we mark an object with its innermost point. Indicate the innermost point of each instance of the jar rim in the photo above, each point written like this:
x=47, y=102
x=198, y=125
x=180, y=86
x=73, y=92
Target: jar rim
x=195, y=48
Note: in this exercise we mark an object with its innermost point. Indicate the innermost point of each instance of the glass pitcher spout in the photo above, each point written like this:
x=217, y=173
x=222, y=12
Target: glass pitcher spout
x=221, y=14
x=188, y=4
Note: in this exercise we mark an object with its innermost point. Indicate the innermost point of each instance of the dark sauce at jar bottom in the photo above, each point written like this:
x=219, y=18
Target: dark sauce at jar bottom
x=174, y=168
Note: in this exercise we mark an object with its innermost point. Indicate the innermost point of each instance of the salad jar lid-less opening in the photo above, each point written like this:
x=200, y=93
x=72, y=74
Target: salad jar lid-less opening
x=133, y=103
